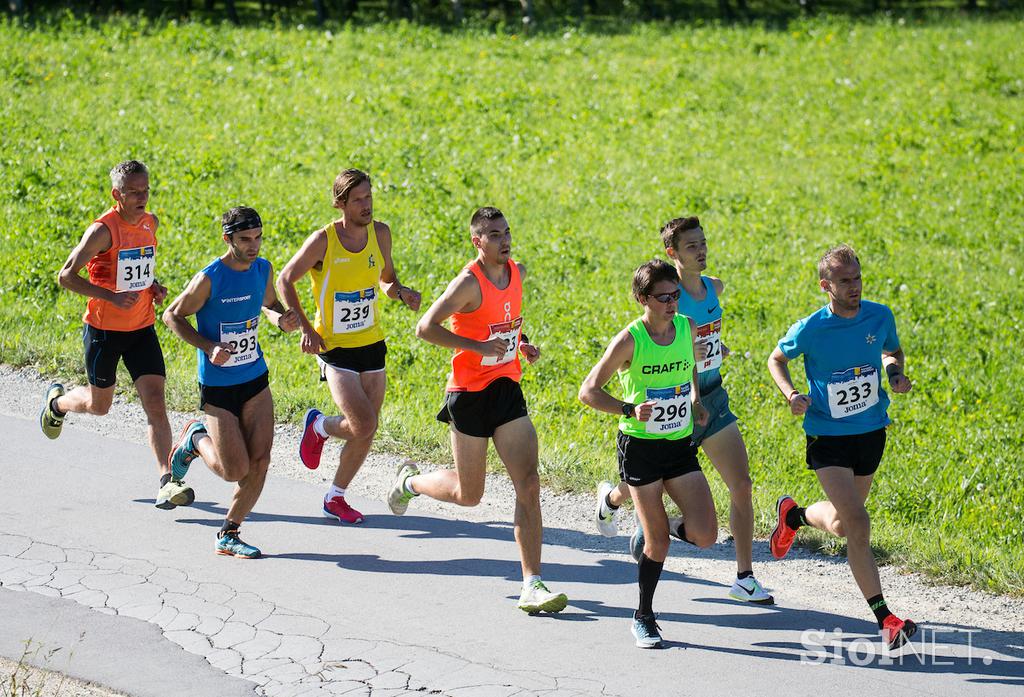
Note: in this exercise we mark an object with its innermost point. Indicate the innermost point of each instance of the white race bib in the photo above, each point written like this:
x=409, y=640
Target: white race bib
x=242, y=337
x=135, y=268
x=353, y=311
x=710, y=334
x=672, y=411
x=509, y=331
x=852, y=391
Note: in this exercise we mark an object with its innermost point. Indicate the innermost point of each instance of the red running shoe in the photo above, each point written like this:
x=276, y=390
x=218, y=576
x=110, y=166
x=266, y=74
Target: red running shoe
x=897, y=632
x=783, y=535
x=312, y=443
x=338, y=508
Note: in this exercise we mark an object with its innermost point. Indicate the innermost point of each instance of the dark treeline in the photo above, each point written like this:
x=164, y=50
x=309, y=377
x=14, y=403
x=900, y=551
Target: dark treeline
x=512, y=13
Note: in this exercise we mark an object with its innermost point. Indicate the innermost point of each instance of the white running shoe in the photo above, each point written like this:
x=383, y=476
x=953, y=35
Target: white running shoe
x=537, y=598
x=750, y=591
x=604, y=516
x=398, y=497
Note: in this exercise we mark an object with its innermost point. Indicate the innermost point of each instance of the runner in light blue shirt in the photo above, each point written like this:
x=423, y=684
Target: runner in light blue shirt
x=846, y=346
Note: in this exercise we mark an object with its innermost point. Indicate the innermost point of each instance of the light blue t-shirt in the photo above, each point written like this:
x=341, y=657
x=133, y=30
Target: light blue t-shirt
x=231, y=315
x=707, y=315
x=843, y=363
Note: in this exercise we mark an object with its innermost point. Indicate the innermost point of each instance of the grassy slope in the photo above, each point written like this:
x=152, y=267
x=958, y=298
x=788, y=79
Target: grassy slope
x=902, y=140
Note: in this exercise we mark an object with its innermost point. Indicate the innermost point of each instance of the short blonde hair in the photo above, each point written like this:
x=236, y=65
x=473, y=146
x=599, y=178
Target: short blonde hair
x=836, y=256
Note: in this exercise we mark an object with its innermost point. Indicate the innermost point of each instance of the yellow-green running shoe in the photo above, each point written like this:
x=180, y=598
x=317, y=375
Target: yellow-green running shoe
x=48, y=421
x=537, y=598
x=174, y=493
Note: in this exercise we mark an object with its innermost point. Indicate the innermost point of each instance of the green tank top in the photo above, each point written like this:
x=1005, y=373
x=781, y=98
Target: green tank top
x=663, y=374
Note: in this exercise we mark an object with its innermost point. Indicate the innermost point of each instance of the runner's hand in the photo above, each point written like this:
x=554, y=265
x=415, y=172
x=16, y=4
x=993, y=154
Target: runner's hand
x=124, y=300
x=701, y=350
x=799, y=404
x=288, y=321
x=530, y=352
x=642, y=412
x=700, y=414
x=159, y=293
x=220, y=354
x=312, y=342
x=900, y=383
x=495, y=348
x=411, y=298
x=725, y=351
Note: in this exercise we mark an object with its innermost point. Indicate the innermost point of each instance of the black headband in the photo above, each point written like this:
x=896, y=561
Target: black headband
x=247, y=223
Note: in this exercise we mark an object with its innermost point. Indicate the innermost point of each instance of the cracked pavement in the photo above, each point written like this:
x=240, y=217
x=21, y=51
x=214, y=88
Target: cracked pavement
x=421, y=604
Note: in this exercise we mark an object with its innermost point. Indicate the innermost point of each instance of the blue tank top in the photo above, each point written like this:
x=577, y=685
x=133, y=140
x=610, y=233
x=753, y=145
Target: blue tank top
x=707, y=315
x=232, y=315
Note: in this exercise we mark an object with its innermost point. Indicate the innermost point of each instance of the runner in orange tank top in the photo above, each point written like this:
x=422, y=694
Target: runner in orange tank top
x=483, y=398
x=119, y=253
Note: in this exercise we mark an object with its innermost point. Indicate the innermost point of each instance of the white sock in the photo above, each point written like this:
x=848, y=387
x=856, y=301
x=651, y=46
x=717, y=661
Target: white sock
x=318, y=426
x=407, y=485
x=528, y=581
x=335, y=491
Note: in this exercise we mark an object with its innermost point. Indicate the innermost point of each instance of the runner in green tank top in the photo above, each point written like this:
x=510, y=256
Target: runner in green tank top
x=654, y=358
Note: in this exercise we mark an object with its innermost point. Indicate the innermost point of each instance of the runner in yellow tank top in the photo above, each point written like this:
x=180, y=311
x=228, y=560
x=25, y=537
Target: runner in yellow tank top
x=350, y=264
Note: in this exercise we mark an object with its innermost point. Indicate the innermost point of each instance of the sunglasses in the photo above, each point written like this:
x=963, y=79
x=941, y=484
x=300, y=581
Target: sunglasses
x=666, y=297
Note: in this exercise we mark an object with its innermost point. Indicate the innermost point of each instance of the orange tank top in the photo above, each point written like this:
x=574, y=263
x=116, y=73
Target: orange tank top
x=499, y=315
x=127, y=266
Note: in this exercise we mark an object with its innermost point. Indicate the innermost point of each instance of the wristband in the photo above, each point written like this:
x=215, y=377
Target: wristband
x=400, y=295
x=789, y=397
x=627, y=408
x=523, y=339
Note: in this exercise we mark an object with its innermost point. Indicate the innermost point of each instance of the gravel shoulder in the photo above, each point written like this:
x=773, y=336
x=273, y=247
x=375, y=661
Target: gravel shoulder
x=804, y=578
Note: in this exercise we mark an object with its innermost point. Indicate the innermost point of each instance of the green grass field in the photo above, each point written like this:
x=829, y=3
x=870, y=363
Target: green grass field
x=903, y=139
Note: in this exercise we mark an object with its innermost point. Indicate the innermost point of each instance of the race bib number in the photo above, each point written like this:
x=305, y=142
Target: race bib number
x=852, y=391
x=509, y=331
x=353, y=311
x=672, y=411
x=710, y=334
x=135, y=268
x=242, y=338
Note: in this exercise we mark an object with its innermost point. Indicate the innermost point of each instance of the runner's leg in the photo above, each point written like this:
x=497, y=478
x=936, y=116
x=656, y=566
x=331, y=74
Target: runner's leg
x=728, y=455
x=516, y=443
x=87, y=400
x=359, y=396
x=257, y=429
x=692, y=495
x=844, y=515
x=463, y=485
x=151, y=394
x=223, y=447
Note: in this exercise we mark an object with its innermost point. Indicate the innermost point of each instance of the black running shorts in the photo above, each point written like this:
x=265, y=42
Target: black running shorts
x=232, y=397
x=363, y=359
x=139, y=349
x=862, y=452
x=481, y=413
x=646, y=460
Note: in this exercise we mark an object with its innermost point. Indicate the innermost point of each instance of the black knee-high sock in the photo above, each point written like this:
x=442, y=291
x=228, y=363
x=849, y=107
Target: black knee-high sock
x=648, y=573
x=878, y=606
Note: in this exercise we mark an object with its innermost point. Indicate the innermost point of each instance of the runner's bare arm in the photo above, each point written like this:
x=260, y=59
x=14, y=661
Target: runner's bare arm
x=778, y=366
x=522, y=270
x=309, y=255
x=462, y=295
x=389, y=282
x=195, y=295
x=700, y=414
x=719, y=289
x=616, y=357
x=96, y=240
x=285, y=320
x=158, y=288
x=893, y=363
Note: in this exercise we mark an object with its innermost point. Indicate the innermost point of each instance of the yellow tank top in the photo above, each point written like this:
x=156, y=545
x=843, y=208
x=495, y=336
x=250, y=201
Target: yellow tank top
x=346, y=290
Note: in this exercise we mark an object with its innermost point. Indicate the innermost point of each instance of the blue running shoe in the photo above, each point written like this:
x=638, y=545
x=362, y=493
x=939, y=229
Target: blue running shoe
x=230, y=544
x=646, y=632
x=184, y=452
